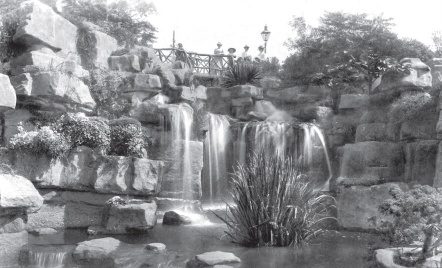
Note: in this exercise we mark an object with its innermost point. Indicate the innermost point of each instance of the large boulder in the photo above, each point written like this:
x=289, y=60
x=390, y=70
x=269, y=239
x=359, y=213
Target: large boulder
x=104, y=46
x=136, y=216
x=62, y=86
x=124, y=63
x=39, y=24
x=353, y=101
x=147, y=175
x=246, y=91
x=10, y=244
x=18, y=194
x=420, y=73
x=420, y=162
x=7, y=94
x=371, y=132
x=112, y=174
x=358, y=206
x=384, y=160
x=96, y=252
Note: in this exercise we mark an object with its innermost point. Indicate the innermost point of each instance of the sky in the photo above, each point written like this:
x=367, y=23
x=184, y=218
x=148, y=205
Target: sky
x=200, y=24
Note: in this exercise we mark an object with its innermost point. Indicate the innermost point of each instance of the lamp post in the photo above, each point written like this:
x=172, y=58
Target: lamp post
x=265, y=36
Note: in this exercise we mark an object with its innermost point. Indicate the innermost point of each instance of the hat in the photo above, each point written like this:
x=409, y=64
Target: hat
x=246, y=46
x=260, y=47
x=231, y=50
x=219, y=44
x=179, y=44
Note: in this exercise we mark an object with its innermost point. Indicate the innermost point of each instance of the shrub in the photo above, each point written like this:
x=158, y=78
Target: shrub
x=273, y=204
x=9, y=49
x=43, y=141
x=126, y=138
x=417, y=216
x=241, y=74
x=411, y=106
x=106, y=89
x=80, y=130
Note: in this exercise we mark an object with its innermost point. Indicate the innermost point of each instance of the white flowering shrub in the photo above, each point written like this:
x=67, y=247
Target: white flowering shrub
x=43, y=141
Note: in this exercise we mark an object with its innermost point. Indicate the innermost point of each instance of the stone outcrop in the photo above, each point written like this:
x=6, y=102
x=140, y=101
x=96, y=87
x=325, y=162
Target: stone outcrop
x=124, y=63
x=39, y=24
x=420, y=73
x=384, y=160
x=104, y=45
x=84, y=170
x=358, y=206
x=353, y=101
x=7, y=94
x=136, y=216
x=420, y=162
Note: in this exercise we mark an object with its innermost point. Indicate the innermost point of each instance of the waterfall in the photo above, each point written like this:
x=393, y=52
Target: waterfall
x=303, y=142
x=179, y=122
x=47, y=259
x=215, y=168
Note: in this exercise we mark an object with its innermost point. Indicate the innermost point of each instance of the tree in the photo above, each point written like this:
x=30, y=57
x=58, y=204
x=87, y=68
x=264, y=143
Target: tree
x=437, y=39
x=125, y=21
x=343, y=37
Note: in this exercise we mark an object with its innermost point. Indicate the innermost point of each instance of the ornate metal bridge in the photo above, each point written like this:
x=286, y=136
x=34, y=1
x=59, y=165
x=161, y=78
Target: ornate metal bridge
x=200, y=63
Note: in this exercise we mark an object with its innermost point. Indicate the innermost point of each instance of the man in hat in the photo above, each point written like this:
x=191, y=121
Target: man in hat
x=261, y=56
x=246, y=55
x=218, y=61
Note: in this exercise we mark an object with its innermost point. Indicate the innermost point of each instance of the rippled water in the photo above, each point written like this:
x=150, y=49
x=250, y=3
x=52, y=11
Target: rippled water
x=332, y=250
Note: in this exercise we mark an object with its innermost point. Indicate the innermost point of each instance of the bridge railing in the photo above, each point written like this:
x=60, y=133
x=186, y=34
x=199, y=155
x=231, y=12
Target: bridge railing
x=200, y=63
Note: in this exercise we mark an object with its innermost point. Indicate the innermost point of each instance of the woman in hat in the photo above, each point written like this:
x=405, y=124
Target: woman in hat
x=218, y=61
x=246, y=55
x=261, y=56
x=231, y=55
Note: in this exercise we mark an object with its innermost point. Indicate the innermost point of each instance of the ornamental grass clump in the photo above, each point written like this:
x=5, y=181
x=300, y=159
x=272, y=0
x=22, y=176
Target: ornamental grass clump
x=274, y=204
x=241, y=74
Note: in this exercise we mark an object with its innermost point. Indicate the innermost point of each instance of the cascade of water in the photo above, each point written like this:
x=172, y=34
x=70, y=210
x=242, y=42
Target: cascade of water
x=181, y=120
x=47, y=259
x=215, y=154
x=304, y=142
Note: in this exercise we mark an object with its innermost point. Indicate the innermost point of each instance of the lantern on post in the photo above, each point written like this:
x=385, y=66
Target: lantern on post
x=265, y=36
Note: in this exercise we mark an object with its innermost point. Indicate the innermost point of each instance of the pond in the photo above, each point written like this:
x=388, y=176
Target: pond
x=332, y=250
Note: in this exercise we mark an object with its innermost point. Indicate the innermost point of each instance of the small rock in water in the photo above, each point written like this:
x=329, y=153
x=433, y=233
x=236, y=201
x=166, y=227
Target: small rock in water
x=212, y=258
x=155, y=247
x=222, y=266
x=173, y=218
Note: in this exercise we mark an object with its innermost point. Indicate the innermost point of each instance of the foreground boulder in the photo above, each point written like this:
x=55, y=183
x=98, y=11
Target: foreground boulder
x=18, y=193
x=133, y=216
x=96, y=252
x=173, y=218
x=212, y=258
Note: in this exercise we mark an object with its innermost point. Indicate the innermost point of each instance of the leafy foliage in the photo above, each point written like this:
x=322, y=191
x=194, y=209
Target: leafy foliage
x=80, y=130
x=417, y=216
x=241, y=74
x=106, y=89
x=8, y=27
x=273, y=204
x=341, y=37
x=125, y=21
x=126, y=138
x=410, y=106
x=45, y=141
x=271, y=67
x=86, y=42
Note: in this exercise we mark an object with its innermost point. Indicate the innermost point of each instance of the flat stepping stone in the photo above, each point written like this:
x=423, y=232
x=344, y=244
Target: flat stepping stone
x=213, y=258
x=155, y=247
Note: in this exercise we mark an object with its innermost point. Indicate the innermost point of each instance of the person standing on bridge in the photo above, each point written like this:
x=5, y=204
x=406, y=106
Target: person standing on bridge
x=261, y=56
x=218, y=61
x=246, y=54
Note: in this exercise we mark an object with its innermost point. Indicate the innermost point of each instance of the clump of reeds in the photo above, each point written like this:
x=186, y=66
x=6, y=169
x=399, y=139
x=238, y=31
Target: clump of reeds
x=274, y=204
